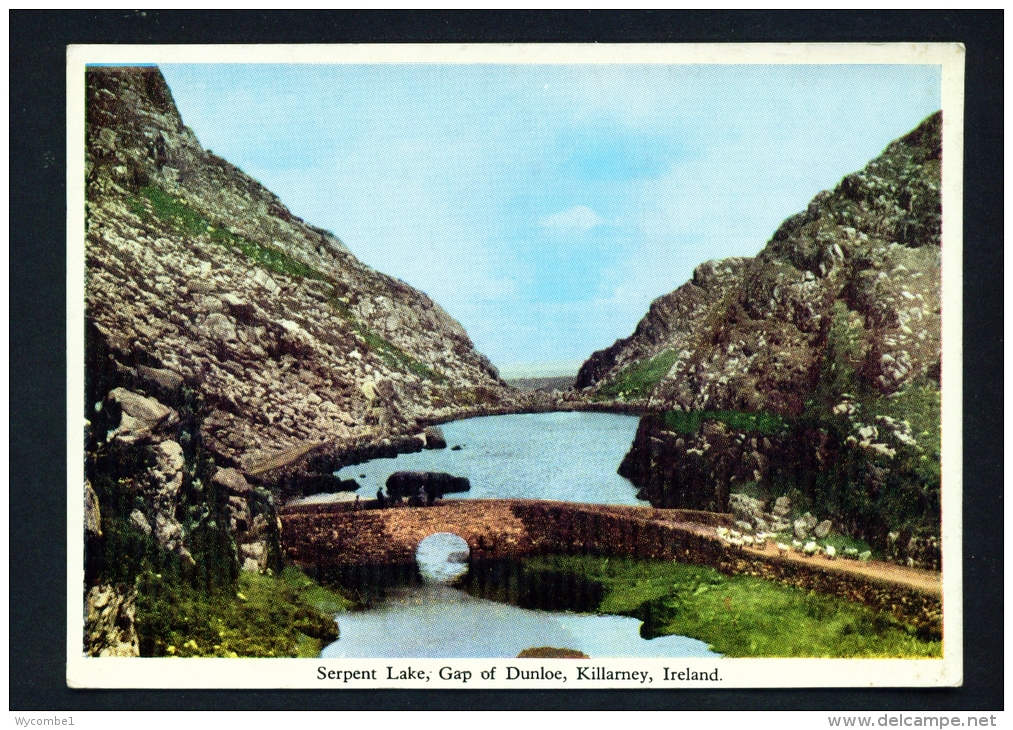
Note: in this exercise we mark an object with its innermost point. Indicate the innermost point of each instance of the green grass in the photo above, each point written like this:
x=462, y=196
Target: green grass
x=639, y=379
x=740, y=616
x=276, y=260
x=319, y=597
x=265, y=616
x=183, y=218
x=689, y=422
x=175, y=211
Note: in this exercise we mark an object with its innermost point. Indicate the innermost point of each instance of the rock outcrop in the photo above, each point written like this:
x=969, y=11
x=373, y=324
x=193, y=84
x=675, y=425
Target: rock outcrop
x=434, y=484
x=632, y=367
x=235, y=355
x=198, y=275
x=109, y=622
x=811, y=369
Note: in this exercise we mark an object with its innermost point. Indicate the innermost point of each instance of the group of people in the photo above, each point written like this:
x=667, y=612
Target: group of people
x=421, y=497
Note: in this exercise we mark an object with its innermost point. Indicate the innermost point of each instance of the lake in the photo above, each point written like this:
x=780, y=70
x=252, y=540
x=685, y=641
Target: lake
x=568, y=456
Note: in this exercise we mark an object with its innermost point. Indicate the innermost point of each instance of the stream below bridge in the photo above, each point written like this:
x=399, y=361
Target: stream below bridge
x=565, y=456
x=490, y=610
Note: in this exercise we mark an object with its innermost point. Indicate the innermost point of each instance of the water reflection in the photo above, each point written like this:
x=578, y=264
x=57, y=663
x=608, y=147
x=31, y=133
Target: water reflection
x=442, y=557
x=438, y=621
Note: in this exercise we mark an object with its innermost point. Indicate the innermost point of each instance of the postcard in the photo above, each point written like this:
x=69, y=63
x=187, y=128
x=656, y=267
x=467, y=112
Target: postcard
x=514, y=366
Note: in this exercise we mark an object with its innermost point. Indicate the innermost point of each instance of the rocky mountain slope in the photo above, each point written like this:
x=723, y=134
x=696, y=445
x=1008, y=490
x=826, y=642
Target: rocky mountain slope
x=629, y=369
x=811, y=370
x=235, y=354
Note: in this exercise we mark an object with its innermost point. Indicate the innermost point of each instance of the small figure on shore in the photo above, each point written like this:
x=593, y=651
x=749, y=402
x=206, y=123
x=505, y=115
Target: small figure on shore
x=358, y=504
x=380, y=499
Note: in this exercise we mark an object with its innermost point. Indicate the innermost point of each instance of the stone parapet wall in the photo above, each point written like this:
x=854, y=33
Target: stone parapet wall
x=334, y=536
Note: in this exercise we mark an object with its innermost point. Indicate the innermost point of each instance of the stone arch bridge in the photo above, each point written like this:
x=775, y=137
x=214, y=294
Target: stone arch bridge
x=325, y=537
x=335, y=535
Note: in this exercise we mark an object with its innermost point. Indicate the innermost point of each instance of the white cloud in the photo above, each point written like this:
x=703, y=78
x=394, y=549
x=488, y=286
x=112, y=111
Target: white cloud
x=578, y=218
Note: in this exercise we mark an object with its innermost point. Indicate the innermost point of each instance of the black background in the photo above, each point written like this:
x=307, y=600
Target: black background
x=38, y=443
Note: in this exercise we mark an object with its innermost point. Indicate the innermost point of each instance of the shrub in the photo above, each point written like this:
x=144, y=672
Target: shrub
x=689, y=422
x=263, y=616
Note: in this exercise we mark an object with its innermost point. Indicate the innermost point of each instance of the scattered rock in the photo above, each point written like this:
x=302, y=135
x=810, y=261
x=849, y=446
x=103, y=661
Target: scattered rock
x=232, y=479
x=92, y=513
x=138, y=520
x=284, y=358
x=740, y=344
x=822, y=529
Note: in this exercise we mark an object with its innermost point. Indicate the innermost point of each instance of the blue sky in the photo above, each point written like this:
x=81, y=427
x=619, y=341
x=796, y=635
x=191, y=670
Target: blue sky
x=544, y=207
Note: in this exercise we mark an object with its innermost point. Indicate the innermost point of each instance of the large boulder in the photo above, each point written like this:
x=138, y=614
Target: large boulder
x=804, y=525
x=434, y=438
x=823, y=529
x=232, y=479
x=142, y=419
x=164, y=481
x=407, y=483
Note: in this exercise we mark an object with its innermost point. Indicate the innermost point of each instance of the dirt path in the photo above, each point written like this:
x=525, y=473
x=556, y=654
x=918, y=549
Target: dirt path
x=927, y=581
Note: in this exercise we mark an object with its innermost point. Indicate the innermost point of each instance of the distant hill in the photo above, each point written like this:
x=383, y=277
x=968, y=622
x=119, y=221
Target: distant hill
x=543, y=384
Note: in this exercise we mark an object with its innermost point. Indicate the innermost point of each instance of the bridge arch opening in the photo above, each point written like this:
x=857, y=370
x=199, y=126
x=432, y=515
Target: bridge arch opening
x=442, y=557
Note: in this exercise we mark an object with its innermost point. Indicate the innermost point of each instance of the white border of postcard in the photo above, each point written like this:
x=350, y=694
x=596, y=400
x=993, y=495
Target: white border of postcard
x=559, y=673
